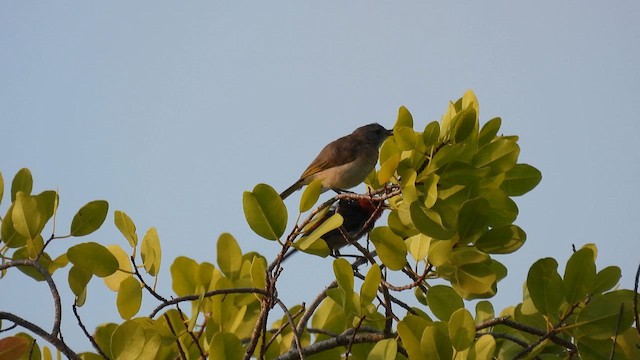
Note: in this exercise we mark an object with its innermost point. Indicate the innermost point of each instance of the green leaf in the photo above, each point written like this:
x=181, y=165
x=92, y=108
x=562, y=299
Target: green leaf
x=13, y=347
x=229, y=256
x=431, y=134
x=591, y=349
x=545, y=286
x=521, y=179
x=605, y=315
x=462, y=329
x=78, y=279
x=93, y=258
x=579, y=275
x=384, y=350
x=129, y=298
x=428, y=222
x=465, y=123
x=151, y=252
x=473, y=217
x=21, y=182
x=606, y=279
x=126, y=226
x=504, y=210
x=489, y=131
x=225, y=345
x=443, y=301
x=502, y=240
x=310, y=195
x=183, y=274
x=370, y=285
x=265, y=211
x=390, y=247
x=89, y=218
x=500, y=155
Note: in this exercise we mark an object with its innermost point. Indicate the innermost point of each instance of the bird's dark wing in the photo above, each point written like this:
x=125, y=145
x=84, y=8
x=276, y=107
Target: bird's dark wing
x=336, y=153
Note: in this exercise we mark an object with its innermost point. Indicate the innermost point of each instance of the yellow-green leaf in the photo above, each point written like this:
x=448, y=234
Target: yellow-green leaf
x=521, y=179
x=483, y=349
x=545, y=286
x=579, y=275
x=128, y=340
x=310, y=195
x=27, y=219
x=183, y=274
x=333, y=222
x=151, y=252
x=418, y=246
x=404, y=118
x=462, y=329
x=129, y=298
x=384, y=350
x=502, y=240
x=390, y=247
x=126, y=226
x=265, y=211
x=370, y=285
x=89, y=218
x=124, y=263
x=229, y=255
x=225, y=345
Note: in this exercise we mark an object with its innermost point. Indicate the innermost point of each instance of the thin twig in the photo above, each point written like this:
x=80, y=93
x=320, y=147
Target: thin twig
x=182, y=354
x=144, y=283
x=86, y=333
x=355, y=332
x=302, y=324
x=193, y=337
x=206, y=295
x=296, y=335
x=526, y=328
x=615, y=338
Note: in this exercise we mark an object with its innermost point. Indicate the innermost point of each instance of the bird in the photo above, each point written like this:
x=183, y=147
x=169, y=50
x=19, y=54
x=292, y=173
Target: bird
x=359, y=217
x=346, y=162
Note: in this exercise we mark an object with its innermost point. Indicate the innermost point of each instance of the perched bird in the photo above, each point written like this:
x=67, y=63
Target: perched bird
x=359, y=218
x=345, y=162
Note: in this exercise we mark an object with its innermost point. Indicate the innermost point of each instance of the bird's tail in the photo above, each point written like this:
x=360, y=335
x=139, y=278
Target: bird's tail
x=291, y=189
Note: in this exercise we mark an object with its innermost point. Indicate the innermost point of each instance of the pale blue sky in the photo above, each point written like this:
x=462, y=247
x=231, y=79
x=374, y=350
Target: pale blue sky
x=171, y=110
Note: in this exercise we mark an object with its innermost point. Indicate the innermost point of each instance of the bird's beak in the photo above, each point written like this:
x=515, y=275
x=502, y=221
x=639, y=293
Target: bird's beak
x=390, y=132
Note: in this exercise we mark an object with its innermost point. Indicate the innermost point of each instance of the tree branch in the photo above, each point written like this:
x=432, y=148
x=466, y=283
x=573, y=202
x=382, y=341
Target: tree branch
x=52, y=287
x=50, y=338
